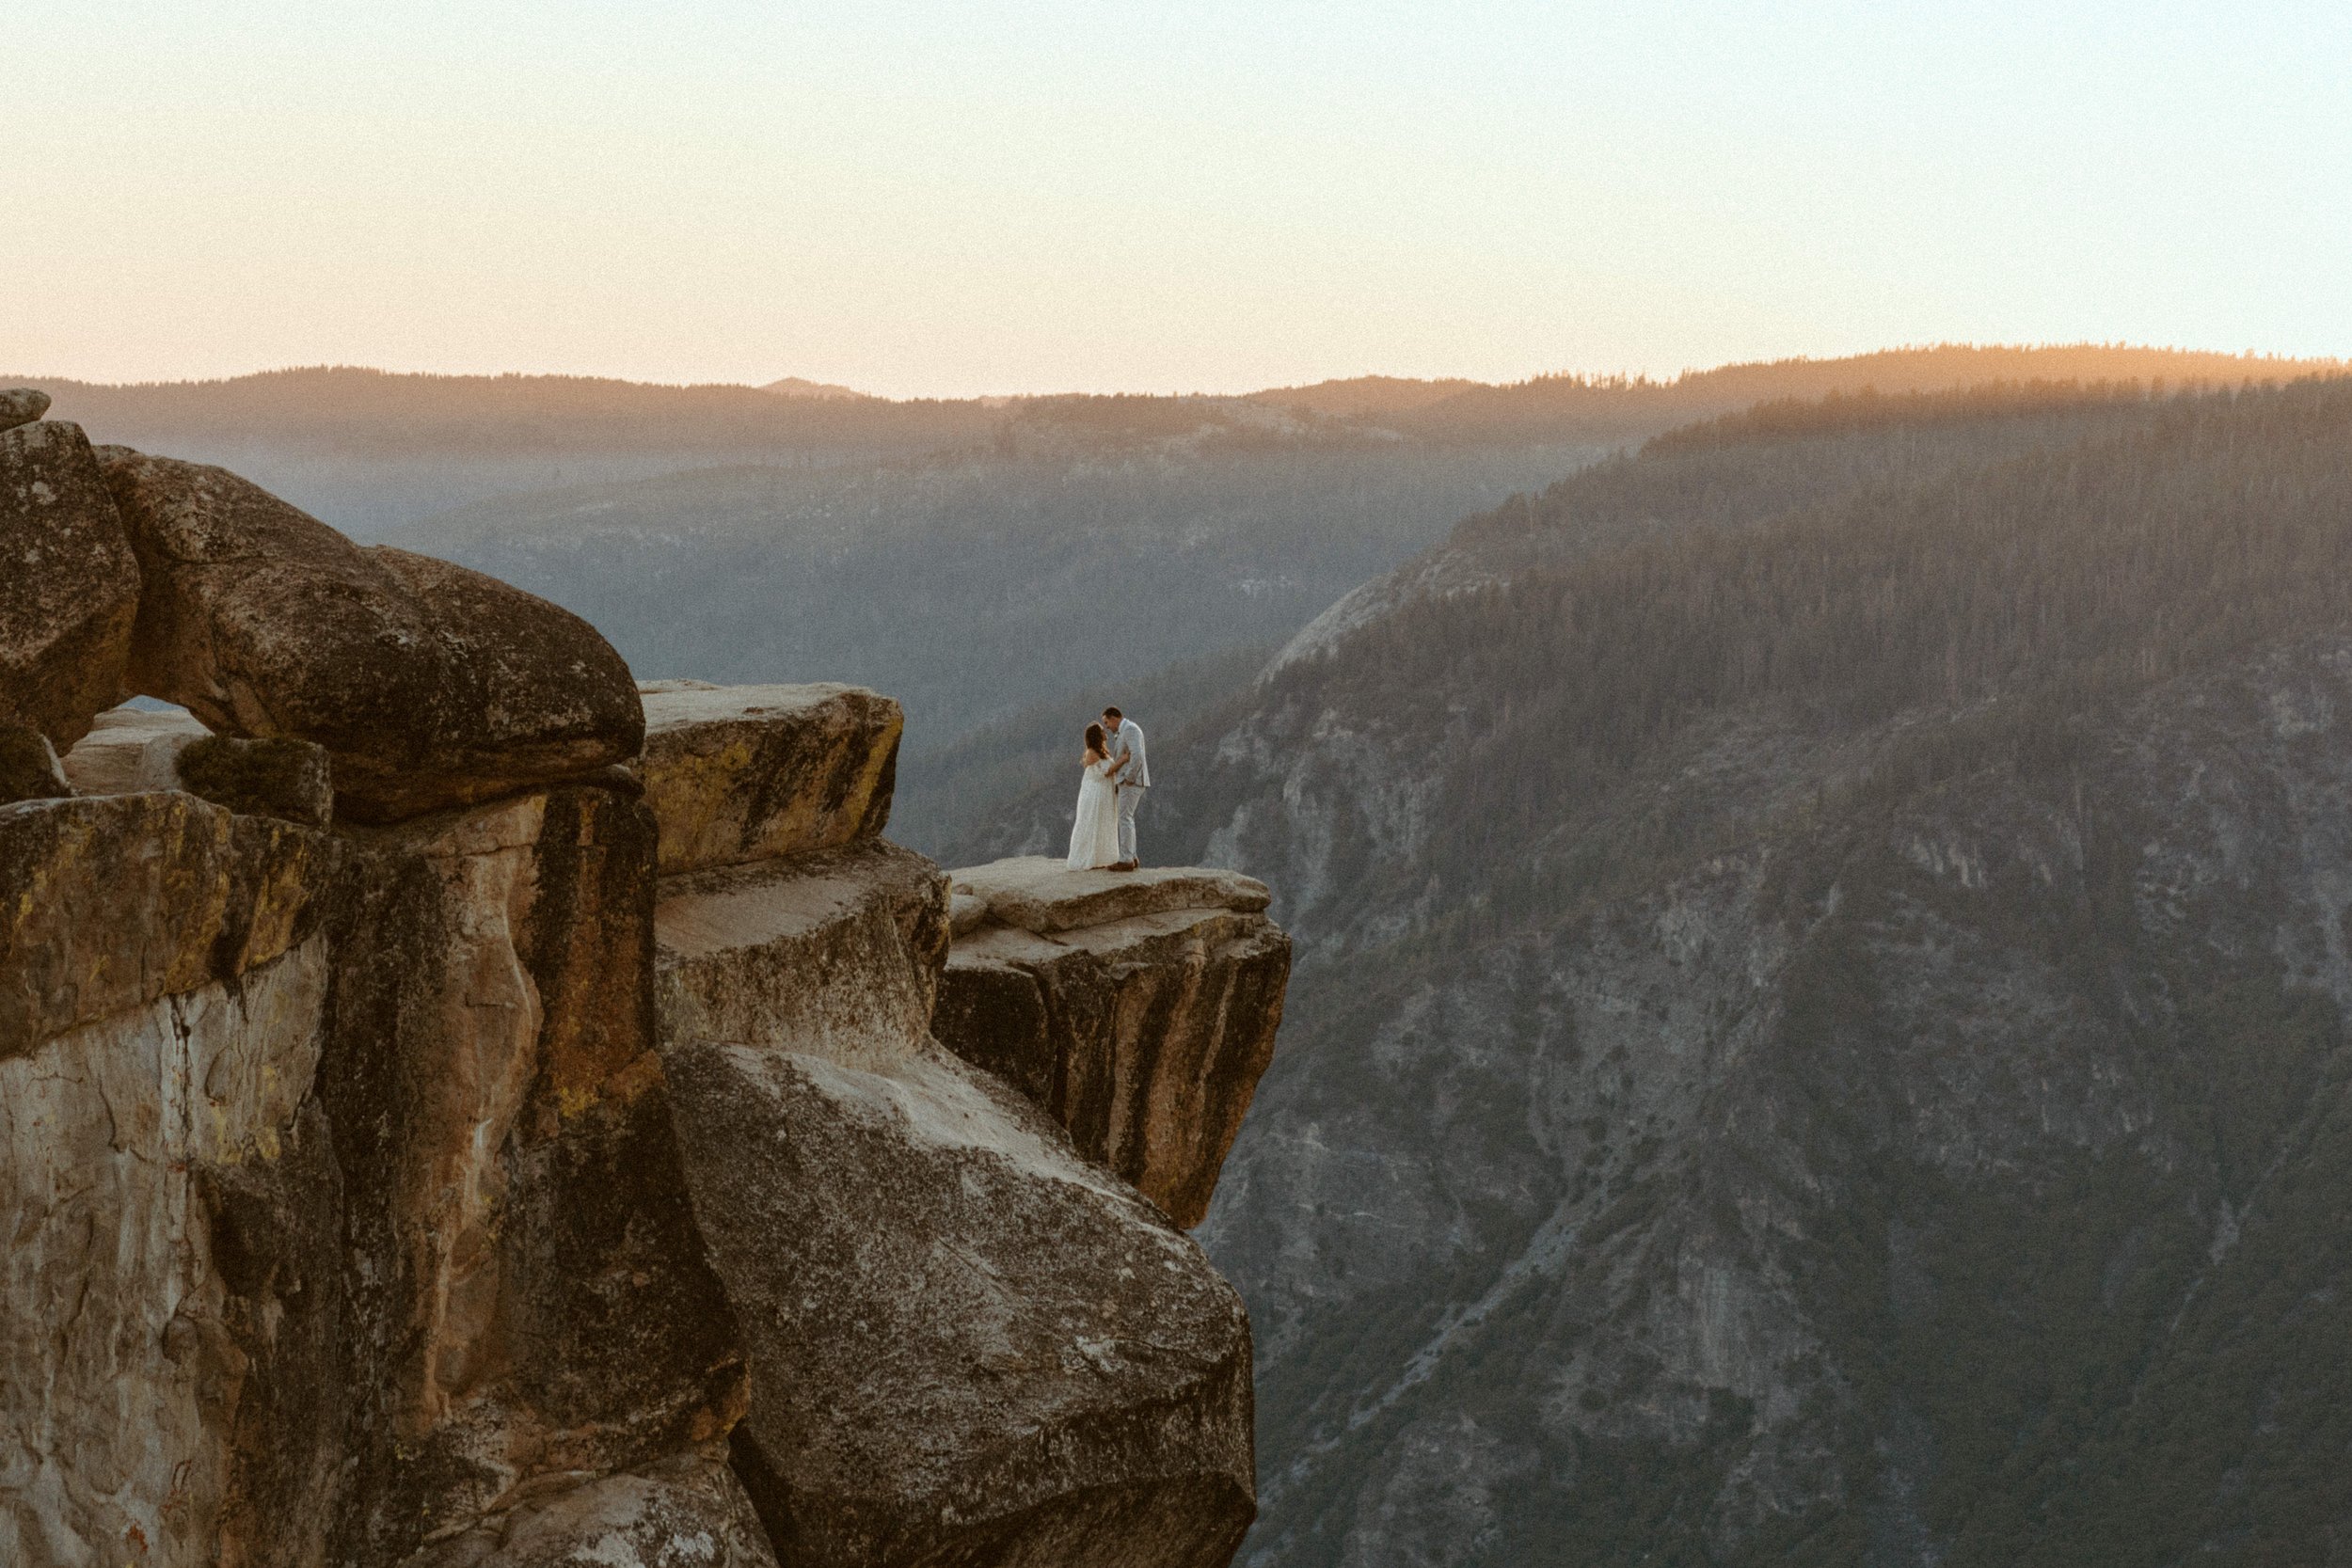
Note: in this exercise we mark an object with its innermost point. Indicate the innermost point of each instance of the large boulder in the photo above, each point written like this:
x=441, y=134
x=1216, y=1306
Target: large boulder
x=740, y=773
x=69, y=583
x=968, y=1344
x=531, y=1301
x=1137, y=1010
x=430, y=686
x=172, y=1373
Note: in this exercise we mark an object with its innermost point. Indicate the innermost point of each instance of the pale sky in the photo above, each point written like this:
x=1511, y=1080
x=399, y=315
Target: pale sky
x=950, y=198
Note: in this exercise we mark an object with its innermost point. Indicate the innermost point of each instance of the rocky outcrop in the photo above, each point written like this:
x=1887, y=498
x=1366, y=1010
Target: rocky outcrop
x=404, y=1240
x=383, y=1195
x=429, y=686
x=69, y=583
x=967, y=1345
x=1137, y=1010
x=744, y=773
x=116, y=904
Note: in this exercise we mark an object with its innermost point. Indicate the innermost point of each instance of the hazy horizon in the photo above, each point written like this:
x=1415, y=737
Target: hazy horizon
x=915, y=200
x=2320, y=363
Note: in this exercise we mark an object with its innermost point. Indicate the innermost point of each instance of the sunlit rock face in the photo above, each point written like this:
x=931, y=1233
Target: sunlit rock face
x=742, y=773
x=539, y=1308
x=1137, y=1010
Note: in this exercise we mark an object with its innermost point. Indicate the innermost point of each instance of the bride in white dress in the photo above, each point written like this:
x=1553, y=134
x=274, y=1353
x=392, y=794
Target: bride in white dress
x=1094, y=842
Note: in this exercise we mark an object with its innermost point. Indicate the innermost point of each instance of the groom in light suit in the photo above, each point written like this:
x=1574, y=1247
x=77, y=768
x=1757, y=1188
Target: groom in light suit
x=1134, y=775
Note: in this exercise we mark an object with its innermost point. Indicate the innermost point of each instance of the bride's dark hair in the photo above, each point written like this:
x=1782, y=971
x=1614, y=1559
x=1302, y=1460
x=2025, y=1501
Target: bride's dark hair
x=1095, y=742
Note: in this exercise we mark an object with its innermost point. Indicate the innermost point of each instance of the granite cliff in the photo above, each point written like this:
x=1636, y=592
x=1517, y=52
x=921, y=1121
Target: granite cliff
x=459, y=1108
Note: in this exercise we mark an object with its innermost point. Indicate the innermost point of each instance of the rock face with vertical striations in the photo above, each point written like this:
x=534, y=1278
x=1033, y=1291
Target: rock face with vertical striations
x=69, y=583
x=1139, y=1009
x=429, y=686
x=541, y=1308
x=400, y=1171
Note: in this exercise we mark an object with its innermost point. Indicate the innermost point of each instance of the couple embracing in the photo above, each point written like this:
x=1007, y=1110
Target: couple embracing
x=1108, y=793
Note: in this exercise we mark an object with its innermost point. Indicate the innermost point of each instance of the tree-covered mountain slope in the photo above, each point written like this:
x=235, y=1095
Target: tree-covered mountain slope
x=1820, y=1035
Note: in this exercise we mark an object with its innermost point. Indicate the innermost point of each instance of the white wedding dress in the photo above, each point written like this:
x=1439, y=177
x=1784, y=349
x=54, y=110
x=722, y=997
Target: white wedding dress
x=1095, y=839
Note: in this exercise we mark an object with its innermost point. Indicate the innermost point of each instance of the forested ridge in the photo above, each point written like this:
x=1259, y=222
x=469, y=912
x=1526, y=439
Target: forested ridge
x=2053, y=581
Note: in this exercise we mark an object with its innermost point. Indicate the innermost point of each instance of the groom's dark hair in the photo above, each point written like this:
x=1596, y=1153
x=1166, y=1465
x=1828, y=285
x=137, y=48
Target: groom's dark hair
x=1113, y=713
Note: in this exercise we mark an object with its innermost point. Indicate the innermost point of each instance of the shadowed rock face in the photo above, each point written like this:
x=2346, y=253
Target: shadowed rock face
x=740, y=773
x=430, y=686
x=534, y=1304
x=1138, y=1010
x=30, y=765
x=69, y=583
x=968, y=1344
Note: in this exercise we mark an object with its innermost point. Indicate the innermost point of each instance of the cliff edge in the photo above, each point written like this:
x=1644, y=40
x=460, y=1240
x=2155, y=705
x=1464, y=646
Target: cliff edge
x=463, y=1108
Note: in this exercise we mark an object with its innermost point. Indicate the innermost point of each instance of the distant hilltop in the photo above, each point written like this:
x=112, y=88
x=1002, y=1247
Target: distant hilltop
x=797, y=386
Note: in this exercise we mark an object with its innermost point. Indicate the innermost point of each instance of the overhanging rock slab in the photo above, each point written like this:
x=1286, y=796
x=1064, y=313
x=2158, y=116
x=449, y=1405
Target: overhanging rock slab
x=968, y=1344
x=1138, y=1010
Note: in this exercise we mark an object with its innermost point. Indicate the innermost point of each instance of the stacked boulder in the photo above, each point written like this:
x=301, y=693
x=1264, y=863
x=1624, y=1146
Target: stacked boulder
x=463, y=1111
